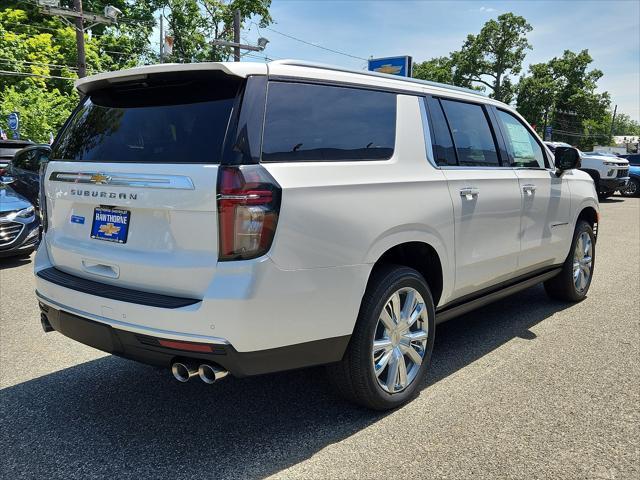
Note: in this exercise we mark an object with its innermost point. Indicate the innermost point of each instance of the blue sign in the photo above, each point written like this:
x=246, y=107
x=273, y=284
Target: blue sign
x=392, y=65
x=13, y=119
x=547, y=133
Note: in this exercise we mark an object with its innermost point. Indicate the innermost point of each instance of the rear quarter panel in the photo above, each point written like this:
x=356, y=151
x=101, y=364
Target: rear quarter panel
x=349, y=213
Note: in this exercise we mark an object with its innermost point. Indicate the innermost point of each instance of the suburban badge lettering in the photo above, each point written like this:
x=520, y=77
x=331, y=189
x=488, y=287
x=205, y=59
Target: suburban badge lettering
x=93, y=193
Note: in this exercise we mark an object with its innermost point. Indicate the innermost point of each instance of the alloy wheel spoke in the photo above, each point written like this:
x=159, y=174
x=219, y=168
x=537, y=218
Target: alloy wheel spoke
x=415, y=314
x=383, y=344
x=402, y=372
x=409, y=304
x=412, y=353
x=383, y=362
x=386, y=320
x=395, y=307
x=419, y=336
x=393, y=370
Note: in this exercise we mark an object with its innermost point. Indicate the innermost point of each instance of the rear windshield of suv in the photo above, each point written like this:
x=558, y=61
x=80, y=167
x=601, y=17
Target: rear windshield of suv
x=155, y=122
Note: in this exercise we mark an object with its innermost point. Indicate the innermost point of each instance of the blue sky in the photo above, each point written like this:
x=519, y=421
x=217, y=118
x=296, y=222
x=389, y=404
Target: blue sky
x=425, y=29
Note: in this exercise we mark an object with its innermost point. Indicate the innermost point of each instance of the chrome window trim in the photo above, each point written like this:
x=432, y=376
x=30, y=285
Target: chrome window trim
x=138, y=180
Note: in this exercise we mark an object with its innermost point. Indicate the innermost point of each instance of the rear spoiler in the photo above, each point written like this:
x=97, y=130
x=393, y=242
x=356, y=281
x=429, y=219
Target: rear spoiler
x=103, y=80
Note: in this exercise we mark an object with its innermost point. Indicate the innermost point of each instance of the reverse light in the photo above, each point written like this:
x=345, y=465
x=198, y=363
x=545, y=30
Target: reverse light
x=248, y=208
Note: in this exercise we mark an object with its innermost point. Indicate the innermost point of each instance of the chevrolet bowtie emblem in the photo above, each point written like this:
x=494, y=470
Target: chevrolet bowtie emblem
x=109, y=229
x=100, y=179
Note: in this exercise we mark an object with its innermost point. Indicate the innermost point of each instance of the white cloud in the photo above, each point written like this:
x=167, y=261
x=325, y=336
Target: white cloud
x=487, y=9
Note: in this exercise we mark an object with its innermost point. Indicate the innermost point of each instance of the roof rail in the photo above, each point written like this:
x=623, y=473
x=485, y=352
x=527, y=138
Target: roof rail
x=324, y=66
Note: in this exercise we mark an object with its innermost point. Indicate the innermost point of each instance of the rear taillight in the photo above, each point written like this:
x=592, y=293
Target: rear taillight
x=248, y=208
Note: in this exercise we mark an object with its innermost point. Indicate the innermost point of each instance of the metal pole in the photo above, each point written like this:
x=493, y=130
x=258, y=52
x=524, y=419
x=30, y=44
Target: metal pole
x=613, y=120
x=161, y=40
x=236, y=35
x=82, y=61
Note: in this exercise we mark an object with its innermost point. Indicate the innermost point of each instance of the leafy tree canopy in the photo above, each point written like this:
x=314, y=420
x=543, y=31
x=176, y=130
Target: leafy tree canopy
x=563, y=93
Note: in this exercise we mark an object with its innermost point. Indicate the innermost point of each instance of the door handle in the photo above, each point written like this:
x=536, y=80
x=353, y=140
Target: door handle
x=529, y=189
x=469, y=192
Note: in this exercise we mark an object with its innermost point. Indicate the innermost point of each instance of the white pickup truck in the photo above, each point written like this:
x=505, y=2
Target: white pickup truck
x=609, y=172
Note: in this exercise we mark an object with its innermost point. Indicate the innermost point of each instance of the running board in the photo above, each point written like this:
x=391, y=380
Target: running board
x=447, y=313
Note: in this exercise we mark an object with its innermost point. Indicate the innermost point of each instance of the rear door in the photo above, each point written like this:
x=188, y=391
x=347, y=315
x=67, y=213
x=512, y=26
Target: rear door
x=545, y=229
x=485, y=195
x=131, y=185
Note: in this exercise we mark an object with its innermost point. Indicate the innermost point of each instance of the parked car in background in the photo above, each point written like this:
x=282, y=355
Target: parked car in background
x=19, y=224
x=609, y=172
x=194, y=222
x=8, y=148
x=633, y=189
x=24, y=172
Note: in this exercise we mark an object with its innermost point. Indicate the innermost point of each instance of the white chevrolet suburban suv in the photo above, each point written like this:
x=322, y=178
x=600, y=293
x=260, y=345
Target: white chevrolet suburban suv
x=248, y=218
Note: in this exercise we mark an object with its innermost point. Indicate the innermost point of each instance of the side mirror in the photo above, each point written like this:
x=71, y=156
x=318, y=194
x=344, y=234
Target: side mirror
x=567, y=158
x=6, y=180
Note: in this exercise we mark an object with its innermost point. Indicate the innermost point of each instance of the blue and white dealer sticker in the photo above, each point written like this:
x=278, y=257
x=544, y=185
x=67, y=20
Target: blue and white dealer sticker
x=110, y=224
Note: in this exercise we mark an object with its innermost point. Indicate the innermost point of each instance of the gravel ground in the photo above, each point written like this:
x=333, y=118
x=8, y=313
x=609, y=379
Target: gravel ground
x=524, y=388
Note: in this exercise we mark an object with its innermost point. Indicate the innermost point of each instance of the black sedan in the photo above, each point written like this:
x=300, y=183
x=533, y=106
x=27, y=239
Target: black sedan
x=24, y=171
x=19, y=224
x=8, y=148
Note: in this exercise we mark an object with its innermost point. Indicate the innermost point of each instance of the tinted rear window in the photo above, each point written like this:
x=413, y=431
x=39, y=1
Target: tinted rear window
x=306, y=122
x=162, y=122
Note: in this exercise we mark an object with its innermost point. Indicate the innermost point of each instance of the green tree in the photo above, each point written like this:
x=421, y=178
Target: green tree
x=625, y=125
x=194, y=23
x=41, y=111
x=563, y=93
x=442, y=70
x=496, y=53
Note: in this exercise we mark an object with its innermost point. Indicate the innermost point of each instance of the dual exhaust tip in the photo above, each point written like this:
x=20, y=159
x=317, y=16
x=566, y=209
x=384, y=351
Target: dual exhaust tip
x=184, y=370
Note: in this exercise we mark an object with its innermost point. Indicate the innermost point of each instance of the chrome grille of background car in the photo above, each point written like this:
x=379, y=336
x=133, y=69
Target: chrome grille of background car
x=623, y=173
x=9, y=232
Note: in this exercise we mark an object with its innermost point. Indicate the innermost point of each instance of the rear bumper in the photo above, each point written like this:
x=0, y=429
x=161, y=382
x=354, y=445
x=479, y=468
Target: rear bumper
x=251, y=305
x=148, y=349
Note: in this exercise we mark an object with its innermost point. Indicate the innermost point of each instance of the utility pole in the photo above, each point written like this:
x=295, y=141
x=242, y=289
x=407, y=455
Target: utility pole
x=161, y=40
x=79, y=18
x=613, y=120
x=82, y=59
x=236, y=35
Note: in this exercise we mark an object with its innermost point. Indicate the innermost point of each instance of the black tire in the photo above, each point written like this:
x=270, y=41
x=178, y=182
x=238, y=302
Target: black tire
x=562, y=286
x=633, y=189
x=354, y=376
x=604, y=195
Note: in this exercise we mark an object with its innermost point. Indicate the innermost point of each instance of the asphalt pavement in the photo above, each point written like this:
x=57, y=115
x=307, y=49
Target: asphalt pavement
x=524, y=388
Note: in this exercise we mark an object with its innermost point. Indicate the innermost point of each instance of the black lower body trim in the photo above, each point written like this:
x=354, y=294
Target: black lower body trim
x=147, y=349
x=104, y=290
x=491, y=294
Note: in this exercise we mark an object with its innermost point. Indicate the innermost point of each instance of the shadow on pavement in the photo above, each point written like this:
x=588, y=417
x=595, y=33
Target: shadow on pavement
x=13, y=262
x=122, y=419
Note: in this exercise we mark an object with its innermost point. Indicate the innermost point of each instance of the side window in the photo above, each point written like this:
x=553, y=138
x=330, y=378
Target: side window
x=471, y=133
x=20, y=159
x=443, y=144
x=522, y=146
x=310, y=123
x=33, y=160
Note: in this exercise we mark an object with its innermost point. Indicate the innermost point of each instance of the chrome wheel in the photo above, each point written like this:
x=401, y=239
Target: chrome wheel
x=400, y=340
x=582, y=262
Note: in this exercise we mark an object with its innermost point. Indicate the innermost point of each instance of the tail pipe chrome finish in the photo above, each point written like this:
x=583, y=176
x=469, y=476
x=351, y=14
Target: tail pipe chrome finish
x=184, y=370
x=211, y=374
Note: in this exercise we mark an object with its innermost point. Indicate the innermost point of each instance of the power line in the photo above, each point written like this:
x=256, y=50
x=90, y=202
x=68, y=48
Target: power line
x=310, y=43
x=10, y=60
x=11, y=73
